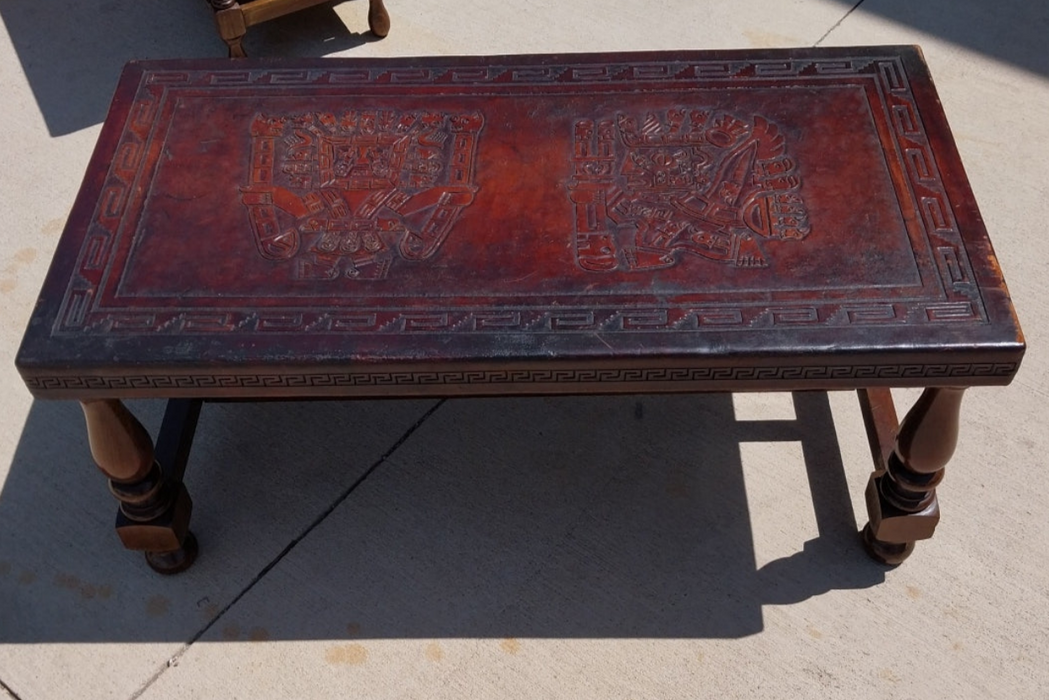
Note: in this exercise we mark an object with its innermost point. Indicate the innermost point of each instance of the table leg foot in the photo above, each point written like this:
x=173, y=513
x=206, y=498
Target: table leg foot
x=177, y=561
x=901, y=494
x=236, y=48
x=378, y=18
x=888, y=553
x=229, y=18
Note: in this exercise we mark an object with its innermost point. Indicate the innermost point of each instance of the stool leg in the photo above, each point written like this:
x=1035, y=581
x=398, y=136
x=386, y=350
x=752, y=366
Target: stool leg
x=154, y=508
x=902, y=501
x=378, y=18
x=230, y=21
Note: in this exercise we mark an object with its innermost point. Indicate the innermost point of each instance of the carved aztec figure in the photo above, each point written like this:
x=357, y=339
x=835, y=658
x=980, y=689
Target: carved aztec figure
x=344, y=195
x=688, y=181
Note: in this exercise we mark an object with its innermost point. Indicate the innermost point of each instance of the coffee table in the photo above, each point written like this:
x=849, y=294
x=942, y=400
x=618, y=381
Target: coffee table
x=520, y=225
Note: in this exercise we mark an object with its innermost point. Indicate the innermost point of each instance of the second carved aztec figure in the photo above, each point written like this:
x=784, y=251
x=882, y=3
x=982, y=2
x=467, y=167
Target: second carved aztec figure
x=648, y=188
x=343, y=196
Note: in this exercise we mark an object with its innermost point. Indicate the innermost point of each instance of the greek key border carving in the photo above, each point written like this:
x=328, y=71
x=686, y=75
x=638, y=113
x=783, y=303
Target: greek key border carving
x=500, y=321
x=566, y=73
x=459, y=378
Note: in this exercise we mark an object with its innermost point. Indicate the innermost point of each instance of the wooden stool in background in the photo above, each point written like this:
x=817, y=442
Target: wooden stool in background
x=233, y=18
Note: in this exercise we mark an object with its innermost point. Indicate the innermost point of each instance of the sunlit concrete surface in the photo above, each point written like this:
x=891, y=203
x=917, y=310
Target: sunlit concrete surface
x=628, y=547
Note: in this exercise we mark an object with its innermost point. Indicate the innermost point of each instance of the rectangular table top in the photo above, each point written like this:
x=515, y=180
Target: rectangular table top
x=523, y=224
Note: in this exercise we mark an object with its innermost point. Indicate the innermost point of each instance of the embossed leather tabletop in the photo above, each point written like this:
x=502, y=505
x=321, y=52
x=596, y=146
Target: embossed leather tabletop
x=621, y=222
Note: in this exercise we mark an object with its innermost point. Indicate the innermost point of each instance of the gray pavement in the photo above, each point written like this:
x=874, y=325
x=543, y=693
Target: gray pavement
x=641, y=547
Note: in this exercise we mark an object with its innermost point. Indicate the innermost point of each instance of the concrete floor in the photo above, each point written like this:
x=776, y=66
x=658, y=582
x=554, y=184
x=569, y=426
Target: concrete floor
x=615, y=547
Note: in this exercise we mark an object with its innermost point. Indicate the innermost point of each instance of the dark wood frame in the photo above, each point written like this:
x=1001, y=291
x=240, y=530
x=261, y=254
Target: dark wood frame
x=155, y=508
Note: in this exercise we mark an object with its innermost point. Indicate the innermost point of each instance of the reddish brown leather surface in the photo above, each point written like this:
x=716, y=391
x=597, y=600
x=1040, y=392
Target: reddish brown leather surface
x=631, y=222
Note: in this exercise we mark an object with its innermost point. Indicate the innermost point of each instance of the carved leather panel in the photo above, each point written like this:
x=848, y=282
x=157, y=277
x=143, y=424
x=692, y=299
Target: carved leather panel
x=713, y=205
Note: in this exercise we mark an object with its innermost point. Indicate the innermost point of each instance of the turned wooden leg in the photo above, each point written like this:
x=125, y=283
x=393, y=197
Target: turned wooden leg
x=378, y=18
x=230, y=20
x=901, y=499
x=154, y=507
